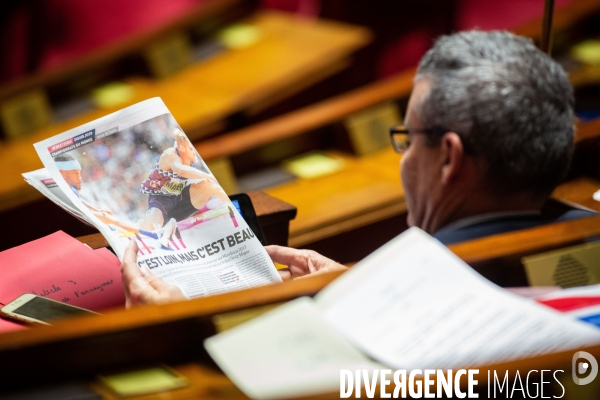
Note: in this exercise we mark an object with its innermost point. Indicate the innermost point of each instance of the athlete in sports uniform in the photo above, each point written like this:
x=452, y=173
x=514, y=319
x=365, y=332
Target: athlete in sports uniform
x=70, y=170
x=178, y=188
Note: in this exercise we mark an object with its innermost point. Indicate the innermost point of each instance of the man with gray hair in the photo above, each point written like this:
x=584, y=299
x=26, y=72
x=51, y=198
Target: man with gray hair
x=491, y=119
x=488, y=135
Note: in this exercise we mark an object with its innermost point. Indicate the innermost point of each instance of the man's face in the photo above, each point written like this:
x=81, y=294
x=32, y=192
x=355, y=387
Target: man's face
x=419, y=166
x=72, y=177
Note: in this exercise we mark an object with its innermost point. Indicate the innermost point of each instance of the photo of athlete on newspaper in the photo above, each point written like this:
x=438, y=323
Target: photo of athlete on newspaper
x=176, y=190
x=179, y=187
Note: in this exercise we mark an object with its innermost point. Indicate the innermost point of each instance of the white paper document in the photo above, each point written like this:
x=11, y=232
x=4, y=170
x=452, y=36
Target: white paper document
x=289, y=350
x=412, y=304
x=135, y=176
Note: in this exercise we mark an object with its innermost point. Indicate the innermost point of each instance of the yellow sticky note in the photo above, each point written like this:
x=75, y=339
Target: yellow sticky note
x=112, y=94
x=587, y=51
x=313, y=164
x=147, y=380
x=237, y=36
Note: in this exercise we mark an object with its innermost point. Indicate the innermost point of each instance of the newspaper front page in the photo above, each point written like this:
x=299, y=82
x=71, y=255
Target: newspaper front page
x=136, y=176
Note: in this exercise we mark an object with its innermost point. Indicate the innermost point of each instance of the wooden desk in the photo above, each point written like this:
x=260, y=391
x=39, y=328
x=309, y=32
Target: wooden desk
x=290, y=54
x=173, y=333
x=367, y=190
x=78, y=349
x=295, y=123
x=584, y=178
x=579, y=191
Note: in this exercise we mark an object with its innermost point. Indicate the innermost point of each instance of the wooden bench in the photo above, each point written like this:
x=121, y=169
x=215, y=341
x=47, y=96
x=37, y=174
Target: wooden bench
x=80, y=349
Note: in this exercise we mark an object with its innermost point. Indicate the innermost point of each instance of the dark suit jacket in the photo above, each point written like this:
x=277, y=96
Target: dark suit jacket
x=502, y=224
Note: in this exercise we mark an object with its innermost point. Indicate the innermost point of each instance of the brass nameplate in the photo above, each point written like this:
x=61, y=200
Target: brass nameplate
x=568, y=267
x=169, y=56
x=369, y=129
x=25, y=113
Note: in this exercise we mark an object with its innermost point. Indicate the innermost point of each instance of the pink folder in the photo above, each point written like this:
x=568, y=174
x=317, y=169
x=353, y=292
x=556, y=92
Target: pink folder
x=61, y=268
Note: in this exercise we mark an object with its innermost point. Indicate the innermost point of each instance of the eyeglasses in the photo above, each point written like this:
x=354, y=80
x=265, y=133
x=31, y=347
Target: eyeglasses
x=399, y=136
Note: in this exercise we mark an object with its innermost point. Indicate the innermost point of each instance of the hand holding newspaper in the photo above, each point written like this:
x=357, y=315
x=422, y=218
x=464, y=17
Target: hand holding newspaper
x=134, y=175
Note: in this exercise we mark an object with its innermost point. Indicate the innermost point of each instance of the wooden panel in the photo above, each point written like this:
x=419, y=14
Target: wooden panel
x=274, y=216
x=579, y=191
x=583, y=178
x=171, y=333
x=587, y=130
x=208, y=383
x=498, y=257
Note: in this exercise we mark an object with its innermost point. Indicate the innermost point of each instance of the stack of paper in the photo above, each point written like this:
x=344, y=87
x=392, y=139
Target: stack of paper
x=61, y=268
x=410, y=305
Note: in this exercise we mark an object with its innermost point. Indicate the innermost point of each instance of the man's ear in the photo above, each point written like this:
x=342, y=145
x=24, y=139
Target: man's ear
x=453, y=154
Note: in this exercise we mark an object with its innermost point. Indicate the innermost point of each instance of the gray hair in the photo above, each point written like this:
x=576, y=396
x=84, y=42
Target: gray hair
x=511, y=104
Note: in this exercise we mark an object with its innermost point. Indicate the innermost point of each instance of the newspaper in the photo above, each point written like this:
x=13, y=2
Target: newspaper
x=134, y=175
